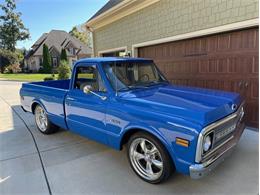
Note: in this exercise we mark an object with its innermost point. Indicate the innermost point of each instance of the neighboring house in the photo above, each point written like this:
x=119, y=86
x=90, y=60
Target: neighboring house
x=204, y=43
x=56, y=40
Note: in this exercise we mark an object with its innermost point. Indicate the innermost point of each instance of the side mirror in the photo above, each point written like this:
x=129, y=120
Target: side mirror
x=88, y=89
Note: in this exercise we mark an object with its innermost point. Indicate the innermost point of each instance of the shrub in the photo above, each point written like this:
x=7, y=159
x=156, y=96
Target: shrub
x=64, y=70
x=14, y=68
x=46, y=59
x=63, y=55
x=51, y=78
x=40, y=70
x=8, y=58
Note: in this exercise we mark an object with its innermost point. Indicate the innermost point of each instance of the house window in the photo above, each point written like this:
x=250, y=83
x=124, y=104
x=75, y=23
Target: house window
x=41, y=62
x=115, y=54
x=72, y=51
x=54, y=62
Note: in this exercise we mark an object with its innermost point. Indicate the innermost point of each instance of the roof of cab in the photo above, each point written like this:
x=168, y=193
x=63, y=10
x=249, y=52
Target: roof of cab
x=112, y=59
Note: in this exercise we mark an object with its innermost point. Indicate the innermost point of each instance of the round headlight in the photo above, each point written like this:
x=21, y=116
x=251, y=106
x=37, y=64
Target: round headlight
x=207, y=143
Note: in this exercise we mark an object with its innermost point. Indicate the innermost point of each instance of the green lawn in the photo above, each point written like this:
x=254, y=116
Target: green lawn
x=24, y=77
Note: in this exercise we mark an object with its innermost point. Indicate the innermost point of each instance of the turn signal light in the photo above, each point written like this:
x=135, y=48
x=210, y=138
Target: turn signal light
x=182, y=142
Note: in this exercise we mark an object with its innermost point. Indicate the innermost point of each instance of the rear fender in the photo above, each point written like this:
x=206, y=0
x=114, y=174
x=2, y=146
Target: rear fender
x=36, y=101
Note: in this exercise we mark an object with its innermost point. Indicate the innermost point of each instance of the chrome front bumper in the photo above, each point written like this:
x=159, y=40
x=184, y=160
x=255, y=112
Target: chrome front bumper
x=200, y=170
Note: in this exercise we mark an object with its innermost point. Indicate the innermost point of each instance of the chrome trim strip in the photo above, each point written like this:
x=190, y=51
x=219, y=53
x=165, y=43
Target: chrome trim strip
x=219, y=146
x=204, y=168
x=210, y=161
x=207, y=129
x=198, y=171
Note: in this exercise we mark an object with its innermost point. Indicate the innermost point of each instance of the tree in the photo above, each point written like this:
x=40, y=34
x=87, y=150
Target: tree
x=64, y=70
x=63, y=55
x=12, y=28
x=82, y=35
x=46, y=62
x=8, y=58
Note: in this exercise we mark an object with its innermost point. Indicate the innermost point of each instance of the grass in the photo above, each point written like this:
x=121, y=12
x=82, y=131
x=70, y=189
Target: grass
x=24, y=77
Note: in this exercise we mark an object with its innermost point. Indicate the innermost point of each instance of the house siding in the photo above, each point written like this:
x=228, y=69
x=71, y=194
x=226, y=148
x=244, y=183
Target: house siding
x=172, y=17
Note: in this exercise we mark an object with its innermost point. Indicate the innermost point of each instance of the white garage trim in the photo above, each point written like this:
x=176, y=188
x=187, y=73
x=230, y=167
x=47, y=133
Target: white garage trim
x=125, y=8
x=112, y=50
x=204, y=32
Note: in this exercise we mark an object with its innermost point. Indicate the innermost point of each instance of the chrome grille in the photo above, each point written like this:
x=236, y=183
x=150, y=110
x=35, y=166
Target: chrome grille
x=222, y=130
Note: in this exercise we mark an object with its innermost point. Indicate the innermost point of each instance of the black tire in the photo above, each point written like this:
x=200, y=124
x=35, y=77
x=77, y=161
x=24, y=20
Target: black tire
x=49, y=127
x=168, y=166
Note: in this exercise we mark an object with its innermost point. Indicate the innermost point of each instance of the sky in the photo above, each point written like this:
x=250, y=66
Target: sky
x=41, y=16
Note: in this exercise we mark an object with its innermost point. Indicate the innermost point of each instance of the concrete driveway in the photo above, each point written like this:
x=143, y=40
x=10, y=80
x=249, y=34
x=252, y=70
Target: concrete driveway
x=70, y=164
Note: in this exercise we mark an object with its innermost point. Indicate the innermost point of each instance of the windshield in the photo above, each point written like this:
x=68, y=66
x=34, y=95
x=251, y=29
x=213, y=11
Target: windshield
x=133, y=75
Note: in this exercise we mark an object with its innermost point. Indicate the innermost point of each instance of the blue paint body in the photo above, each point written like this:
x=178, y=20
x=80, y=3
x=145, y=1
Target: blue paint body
x=164, y=110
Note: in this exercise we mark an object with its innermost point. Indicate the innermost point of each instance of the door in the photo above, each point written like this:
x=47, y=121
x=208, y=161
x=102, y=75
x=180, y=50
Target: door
x=226, y=61
x=86, y=113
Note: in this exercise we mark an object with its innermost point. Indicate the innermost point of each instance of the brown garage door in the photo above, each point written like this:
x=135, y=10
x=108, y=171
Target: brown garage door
x=227, y=61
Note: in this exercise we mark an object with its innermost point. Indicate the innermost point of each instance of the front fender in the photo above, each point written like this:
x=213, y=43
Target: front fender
x=149, y=129
x=153, y=131
x=181, y=157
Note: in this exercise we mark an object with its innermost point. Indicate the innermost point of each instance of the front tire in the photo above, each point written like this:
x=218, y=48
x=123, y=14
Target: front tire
x=42, y=122
x=148, y=158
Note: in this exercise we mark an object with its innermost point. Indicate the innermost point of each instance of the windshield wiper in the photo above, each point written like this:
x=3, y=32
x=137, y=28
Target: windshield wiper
x=155, y=83
x=131, y=87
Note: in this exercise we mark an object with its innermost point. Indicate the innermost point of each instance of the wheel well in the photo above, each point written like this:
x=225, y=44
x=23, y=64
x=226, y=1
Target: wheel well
x=129, y=133
x=34, y=106
x=127, y=136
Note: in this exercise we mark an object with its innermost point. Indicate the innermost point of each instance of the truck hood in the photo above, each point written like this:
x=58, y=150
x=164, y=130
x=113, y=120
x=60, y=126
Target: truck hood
x=202, y=106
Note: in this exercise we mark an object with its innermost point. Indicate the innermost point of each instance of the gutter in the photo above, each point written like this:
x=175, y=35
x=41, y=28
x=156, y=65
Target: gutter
x=112, y=9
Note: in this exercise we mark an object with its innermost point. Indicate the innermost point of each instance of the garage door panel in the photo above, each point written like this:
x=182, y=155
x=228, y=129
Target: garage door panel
x=227, y=85
x=223, y=42
x=226, y=61
x=255, y=68
x=251, y=114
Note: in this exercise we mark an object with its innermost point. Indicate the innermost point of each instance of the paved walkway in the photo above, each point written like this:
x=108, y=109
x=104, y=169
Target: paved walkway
x=75, y=165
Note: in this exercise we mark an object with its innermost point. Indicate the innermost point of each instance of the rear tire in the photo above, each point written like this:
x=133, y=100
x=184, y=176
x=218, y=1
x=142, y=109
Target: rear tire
x=42, y=122
x=148, y=158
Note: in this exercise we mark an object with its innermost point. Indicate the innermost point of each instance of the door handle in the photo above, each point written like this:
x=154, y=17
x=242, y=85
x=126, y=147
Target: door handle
x=70, y=99
x=246, y=84
x=240, y=84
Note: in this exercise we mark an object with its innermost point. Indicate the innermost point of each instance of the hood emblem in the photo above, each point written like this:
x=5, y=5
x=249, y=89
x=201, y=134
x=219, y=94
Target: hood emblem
x=234, y=107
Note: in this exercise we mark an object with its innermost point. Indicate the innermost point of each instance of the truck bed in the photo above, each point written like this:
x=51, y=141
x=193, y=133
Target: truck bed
x=50, y=94
x=59, y=84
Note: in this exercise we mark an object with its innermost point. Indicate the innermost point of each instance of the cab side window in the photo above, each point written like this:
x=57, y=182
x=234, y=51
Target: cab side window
x=89, y=75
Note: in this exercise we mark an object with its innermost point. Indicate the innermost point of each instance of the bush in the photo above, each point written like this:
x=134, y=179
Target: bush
x=64, y=70
x=63, y=55
x=14, y=68
x=8, y=58
x=46, y=59
x=49, y=78
x=41, y=70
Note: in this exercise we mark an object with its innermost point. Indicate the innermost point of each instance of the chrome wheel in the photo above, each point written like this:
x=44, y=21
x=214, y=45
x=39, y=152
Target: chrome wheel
x=41, y=118
x=146, y=159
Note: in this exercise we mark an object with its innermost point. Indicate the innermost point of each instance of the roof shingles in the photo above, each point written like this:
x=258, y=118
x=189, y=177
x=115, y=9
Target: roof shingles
x=107, y=6
x=58, y=39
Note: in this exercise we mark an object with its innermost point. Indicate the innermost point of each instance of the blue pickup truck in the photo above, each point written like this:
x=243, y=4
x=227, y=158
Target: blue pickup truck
x=128, y=102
